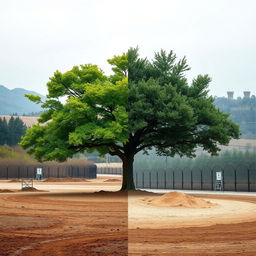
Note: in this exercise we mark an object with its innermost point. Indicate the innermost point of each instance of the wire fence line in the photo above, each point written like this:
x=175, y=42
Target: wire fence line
x=109, y=170
x=30, y=171
x=234, y=178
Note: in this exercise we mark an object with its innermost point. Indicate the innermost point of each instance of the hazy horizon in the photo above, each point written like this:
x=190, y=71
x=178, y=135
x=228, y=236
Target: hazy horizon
x=217, y=37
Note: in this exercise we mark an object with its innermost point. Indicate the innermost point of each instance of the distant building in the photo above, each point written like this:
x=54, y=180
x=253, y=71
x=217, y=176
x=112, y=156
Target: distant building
x=230, y=95
x=247, y=94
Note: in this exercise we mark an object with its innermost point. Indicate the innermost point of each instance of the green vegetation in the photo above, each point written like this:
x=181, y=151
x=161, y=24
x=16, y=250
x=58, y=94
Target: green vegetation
x=12, y=131
x=157, y=109
x=14, y=155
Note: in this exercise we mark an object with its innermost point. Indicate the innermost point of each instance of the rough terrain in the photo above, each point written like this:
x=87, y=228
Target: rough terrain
x=63, y=221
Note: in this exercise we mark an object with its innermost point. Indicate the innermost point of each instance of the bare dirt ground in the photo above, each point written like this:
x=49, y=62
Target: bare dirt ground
x=64, y=221
x=227, y=228
x=69, y=219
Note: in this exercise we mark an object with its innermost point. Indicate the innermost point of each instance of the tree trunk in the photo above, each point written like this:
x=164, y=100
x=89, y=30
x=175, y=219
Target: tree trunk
x=128, y=183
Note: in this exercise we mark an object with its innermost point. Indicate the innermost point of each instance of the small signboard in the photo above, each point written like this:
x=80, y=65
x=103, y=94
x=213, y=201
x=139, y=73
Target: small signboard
x=39, y=171
x=218, y=175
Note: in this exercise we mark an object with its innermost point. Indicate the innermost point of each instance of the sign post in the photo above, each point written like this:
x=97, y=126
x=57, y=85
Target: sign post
x=39, y=173
x=219, y=181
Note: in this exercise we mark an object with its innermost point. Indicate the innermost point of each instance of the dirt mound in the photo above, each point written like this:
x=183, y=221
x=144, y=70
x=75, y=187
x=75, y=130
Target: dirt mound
x=68, y=179
x=30, y=189
x=14, y=181
x=5, y=191
x=178, y=199
x=112, y=180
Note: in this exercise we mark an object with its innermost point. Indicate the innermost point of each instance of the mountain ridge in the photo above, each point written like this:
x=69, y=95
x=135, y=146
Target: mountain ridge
x=13, y=101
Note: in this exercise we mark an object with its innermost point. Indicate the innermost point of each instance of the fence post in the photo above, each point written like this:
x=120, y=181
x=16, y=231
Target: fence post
x=223, y=179
x=191, y=177
x=212, y=178
x=235, y=179
x=182, y=187
x=201, y=176
x=173, y=181
x=248, y=175
x=164, y=180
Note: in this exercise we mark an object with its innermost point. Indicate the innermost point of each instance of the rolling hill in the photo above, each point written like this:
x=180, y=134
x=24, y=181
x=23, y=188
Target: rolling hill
x=13, y=101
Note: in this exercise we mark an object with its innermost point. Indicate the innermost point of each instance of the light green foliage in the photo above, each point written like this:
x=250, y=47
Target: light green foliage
x=94, y=116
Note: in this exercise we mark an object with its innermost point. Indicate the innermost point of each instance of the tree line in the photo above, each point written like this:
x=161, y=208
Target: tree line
x=11, y=131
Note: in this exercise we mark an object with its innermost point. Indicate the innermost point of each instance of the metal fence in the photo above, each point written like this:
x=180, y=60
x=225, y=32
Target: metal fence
x=109, y=170
x=234, y=178
x=29, y=171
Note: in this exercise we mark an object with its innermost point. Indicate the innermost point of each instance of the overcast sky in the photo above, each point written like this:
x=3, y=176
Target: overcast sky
x=38, y=37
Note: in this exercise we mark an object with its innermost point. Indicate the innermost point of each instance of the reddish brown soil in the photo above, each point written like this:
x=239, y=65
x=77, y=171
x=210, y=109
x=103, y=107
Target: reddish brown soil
x=220, y=239
x=63, y=224
x=68, y=179
x=112, y=180
x=6, y=191
x=31, y=189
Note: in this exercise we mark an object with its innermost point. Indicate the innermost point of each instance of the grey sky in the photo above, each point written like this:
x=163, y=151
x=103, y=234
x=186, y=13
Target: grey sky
x=38, y=37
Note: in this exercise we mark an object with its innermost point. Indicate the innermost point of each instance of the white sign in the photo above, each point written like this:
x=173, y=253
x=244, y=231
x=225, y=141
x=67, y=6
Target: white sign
x=218, y=176
x=39, y=171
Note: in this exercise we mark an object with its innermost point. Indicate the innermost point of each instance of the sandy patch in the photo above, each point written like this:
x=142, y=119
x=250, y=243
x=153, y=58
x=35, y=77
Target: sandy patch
x=177, y=199
x=143, y=215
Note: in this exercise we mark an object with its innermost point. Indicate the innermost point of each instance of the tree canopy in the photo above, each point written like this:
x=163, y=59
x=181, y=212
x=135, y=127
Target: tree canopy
x=156, y=108
x=11, y=131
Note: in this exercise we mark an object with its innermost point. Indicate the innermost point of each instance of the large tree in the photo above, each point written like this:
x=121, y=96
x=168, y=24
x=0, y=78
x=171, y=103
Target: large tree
x=156, y=108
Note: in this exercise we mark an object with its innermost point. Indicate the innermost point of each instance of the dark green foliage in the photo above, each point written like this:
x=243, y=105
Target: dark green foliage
x=167, y=113
x=11, y=132
x=3, y=131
